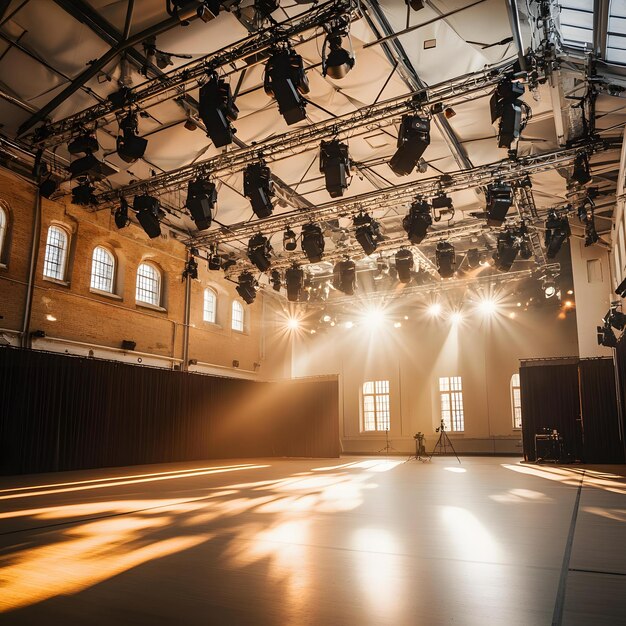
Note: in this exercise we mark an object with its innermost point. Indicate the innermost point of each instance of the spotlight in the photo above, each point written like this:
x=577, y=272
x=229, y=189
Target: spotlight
x=506, y=106
x=591, y=235
x=499, y=201
x=185, y=10
x=506, y=252
x=121, y=214
x=130, y=146
x=382, y=268
x=413, y=139
x=525, y=251
x=434, y=310
x=557, y=232
x=294, y=280
x=606, y=336
x=289, y=240
x=48, y=187
x=344, y=276
x=83, y=195
x=247, y=287
x=90, y=166
x=615, y=318
x=349, y=324
x=367, y=232
x=581, y=173
x=259, y=252
x=487, y=306
x=442, y=202
x=549, y=287
x=201, y=198
x=337, y=62
x=276, y=280
x=293, y=323
x=446, y=259
x=259, y=188
x=191, y=269
x=473, y=258
x=313, y=242
x=416, y=5
x=285, y=80
x=375, y=317
x=86, y=143
x=217, y=110
x=148, y=214
x=335, y=165
x=215, y=261
x=404, y=265
x=417, y=221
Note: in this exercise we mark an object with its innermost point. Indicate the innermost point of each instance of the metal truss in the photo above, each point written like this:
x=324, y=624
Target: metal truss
x=175, y=83
x=300, y=140
x=527, y=209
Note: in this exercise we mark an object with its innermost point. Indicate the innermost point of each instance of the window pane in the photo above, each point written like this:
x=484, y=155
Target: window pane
x=444, y=384
x=148, y=284
x=515, y=380
x=237, y=316
x=56, y=250
x=368, y=387
x=458, y=421
x=210, y=301
x=102, y=269
x=376, y=415
x=3, y=228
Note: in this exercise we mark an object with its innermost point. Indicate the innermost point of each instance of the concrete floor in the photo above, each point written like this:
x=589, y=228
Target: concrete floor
x=355, y=541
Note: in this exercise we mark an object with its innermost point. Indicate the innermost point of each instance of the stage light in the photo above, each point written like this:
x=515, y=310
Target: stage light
x=48, y=186
x=416, y=5
x=397, y=324
x=258, y=187
x=557, y=232
x=374, y=317
x=260, y=251
x=313, y=242
x=285, y=80
x=344, y=276
x=217, y=110
x=191, y=269
x=404, y=265
x=85, y=143
x=326, y=318
x=335, y=165
x=606, y=336
x=487, y=306
x=581, y=173
x=506, y=106
x=215, y=261
x=382, y=268
x=293, y=323
x=499, y=200
x=184, y=10
x=548, y=285
x=615, y=318
x=130, y=146
x=290, y=242
x=201, y=198
x=417, y=221
x=148, y=214
x=506, y=252
x=525, y=250
x=434, y=310
x=442, y=202
x=446, y=259
x=294, y=279
x=413, y=139
x=276, y=280
x=456, y=317
x=473, y=258
x=83, y=195
x=367, y=232
x=121, y=214
x=247, y=287
x=591, y=235
x=337, y=61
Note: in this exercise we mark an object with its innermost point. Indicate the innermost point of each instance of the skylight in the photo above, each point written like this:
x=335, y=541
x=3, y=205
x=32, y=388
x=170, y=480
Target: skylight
x=616, y=35
x=576, y=19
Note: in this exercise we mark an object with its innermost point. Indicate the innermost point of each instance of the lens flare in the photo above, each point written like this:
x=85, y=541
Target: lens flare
x=434, y=310
x=487, y=306
x=293, y=323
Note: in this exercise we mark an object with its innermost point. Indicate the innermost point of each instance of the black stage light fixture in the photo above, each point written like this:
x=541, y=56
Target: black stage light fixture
x=417, y=221
x=148, y=214
x=90, y=166
x=191, y=269
x=185, y=10
x=285, y=80
x=337, y=61
x=506, y=106
x=217, y=110
x=556, y=234
x=606, y=336
x=247, y=287
x=615, y=318
x=83, y=195
x=445, y=257
x=416, y=5
x=313, y=242
x=367, y=232
x=441, y=202
x=290, y=241
x=276, y=280
x=548, y=285
x=121, y=214
x=130, y=146
x=215, y=260
x=48, y=187
x=258, y=186
x=294, y=281
x=506, y=251
x=591, y=234
x=404, y=265
x=581, y=173
x=201, y=198
x=344, y=276
x=499, y=200
x=621, y=289
x=335, y=165
x=85, y=143
x=413, y=139
x=473, y=258
x=260, y=251
x=525, y=249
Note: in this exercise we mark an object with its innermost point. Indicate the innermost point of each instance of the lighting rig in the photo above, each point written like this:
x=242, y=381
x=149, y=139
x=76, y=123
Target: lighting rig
x=499, y=200
x=417, y=221
x=335, y=165
x=507, y=250
x=247, y=287
x=445, y=256
x=149, y=214
x=276, y=280
x=260, y=252
x=313, y=243
x=184, y=10
x=367, y=232
x=442, y=206
x=85, y=146
x=290, y=240
x=130, y=146
x=201, y=198
x=344, y=276
x=217, y=110
x=413, y=139
x=121, y=214
x=581, y=173
x=404, y=265
x=294, y=281
x=337, y=61
x=587, y=217
x=556, y=234
x=83, y=195
x=259, y=188
x=506, y=108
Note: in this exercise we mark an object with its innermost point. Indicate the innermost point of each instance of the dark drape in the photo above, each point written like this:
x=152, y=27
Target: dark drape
x=549, y=394
x=61, y=412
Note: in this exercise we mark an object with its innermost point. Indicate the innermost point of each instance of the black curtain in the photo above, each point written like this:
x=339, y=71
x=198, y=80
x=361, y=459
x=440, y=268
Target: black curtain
x=549, y=394
x=61, y=412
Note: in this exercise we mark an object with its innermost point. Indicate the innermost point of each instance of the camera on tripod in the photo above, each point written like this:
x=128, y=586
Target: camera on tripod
x=441, y=428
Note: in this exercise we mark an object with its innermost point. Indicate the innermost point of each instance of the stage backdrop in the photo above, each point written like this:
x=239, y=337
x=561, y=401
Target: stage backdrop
x=61, y=412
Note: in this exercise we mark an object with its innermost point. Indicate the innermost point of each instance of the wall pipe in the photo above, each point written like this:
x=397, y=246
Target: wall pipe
x=34, y=253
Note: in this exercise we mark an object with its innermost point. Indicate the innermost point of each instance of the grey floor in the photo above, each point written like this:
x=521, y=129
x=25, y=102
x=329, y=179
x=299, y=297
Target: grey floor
x=355, y=541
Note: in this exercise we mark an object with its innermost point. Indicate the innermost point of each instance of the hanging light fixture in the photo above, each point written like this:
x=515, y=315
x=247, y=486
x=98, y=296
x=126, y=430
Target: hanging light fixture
x=247, y=287
x=556, y=234
x=335, y=165
x=260, y=251
x=404, y=265
x=417, y=221
x=445, y=257
x=130, y=146
x=367, y=232
x=413, y=139
x=337, y=61
x=201, y=198
x=290, y=241
x=121, y=214
x=217, y=110
x=313, y=242
x=258, y=186
x=149, y=214
x=499, y=200
x=294, y=281
x=344, y=276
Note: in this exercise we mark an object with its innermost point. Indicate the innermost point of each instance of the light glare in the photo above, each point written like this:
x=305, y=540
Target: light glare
x=293, y=323
x=434, y=309
x=487, y=307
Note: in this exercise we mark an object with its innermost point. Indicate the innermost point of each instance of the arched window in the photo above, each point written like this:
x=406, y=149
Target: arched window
x=102, y=270
x=148, y=284
x=55, y=259
x=210, y=306
x=4, y=220
x=516, y=402
x=237, y=316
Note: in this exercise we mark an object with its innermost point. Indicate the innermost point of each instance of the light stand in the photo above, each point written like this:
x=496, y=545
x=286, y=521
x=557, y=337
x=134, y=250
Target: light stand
x=420, y=449
x=443, y=442
x=387, y=445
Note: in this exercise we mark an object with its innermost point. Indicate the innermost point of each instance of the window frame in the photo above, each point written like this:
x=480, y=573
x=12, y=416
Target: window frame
x=4, y=232
x=213, y=293
x=240, y=307
x=516, y=402
x=113, y=277
x=159, y=283
x=380, y=390
x=453, y=404
x=65, y=252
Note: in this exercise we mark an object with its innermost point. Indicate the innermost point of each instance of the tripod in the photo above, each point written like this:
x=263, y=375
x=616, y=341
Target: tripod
x=387, y=445
x=443, y=442
x=419, y=448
